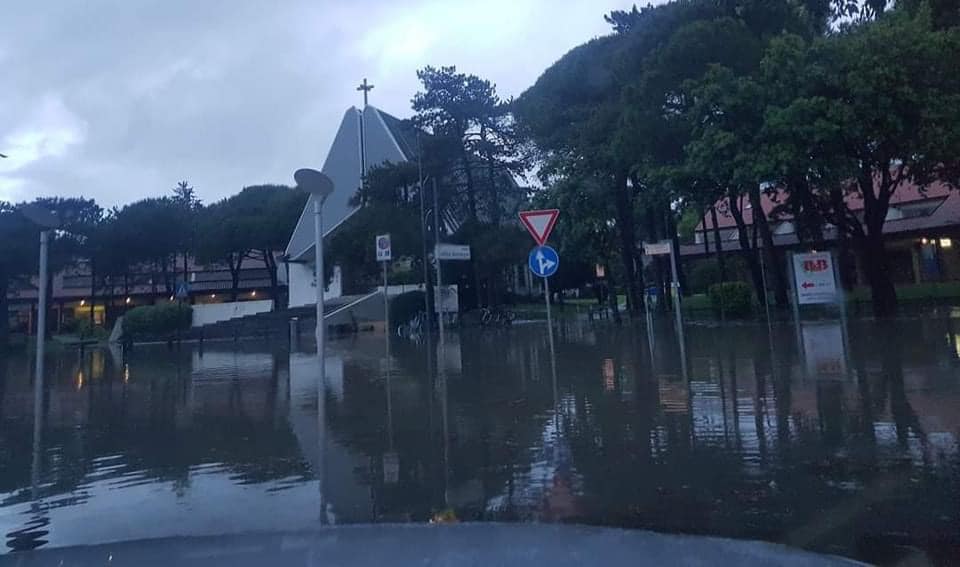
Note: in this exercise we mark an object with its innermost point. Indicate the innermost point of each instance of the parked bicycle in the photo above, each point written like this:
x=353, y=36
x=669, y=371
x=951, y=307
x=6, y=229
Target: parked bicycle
x=413, y=328
x=496, y=317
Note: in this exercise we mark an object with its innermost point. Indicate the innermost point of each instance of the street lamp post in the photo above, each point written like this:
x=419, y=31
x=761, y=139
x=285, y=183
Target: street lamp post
x=320, y=187
x=47, y=221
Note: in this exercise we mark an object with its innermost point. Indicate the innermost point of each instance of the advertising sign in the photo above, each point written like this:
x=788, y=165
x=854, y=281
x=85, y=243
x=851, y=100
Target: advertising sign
x=813, y=274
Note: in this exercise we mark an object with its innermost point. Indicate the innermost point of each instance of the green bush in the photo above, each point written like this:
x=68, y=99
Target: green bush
x=705, y=272
x=159, y=321
x=405, y=306
x=735, y=297
x=83, y=329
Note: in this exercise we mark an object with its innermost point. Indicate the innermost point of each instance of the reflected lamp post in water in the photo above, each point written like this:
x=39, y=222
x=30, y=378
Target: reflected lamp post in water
x=319, y=186
x=47, y=221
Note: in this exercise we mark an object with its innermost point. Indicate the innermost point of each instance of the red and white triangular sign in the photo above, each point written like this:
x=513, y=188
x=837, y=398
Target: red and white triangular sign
x=540, y=223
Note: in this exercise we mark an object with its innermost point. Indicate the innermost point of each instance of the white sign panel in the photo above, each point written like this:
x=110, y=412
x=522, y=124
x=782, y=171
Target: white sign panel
x=452, y=251
x=813, y=274
x=446, y=299
x=656, y=248
x=383, y=248
x=823, y=349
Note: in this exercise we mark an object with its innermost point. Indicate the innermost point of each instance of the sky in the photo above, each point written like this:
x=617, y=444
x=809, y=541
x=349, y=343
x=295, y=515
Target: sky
x=119, y=100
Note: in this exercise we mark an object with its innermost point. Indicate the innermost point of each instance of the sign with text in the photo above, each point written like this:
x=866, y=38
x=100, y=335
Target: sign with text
x=815, y=282
x=383, y=248
x=540, y=223
x=452, y=252
x=657, y=248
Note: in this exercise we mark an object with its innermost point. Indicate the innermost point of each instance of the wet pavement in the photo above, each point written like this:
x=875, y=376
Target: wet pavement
x=839, y=442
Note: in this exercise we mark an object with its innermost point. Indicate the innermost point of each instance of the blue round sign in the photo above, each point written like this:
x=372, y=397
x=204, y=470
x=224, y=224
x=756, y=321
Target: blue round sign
x=543, y=261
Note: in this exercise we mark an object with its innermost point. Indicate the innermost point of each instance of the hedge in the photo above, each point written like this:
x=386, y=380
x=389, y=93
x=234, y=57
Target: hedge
x=157, y=321
x=405, y=306
x=735, y=298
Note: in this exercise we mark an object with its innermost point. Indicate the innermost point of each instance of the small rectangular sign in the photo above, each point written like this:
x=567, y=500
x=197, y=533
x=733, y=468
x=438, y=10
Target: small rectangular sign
x=656, y=248
x=382, y=243
x=815, y=282
x=446, y=299
x=452, y=251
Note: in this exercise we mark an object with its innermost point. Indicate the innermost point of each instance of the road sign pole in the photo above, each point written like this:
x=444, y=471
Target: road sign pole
x=42, y=302
x=436, y=245
x=546, y=295
x=842, y=301
x=796, y=307
x=676, y=310
x=386, y=303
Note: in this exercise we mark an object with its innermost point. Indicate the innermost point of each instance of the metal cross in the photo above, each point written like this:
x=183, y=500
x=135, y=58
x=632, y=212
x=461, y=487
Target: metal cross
x=365, y=88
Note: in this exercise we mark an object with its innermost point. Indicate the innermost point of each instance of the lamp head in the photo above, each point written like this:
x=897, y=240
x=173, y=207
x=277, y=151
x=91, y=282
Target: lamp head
x=314, y=182
x=40, y=216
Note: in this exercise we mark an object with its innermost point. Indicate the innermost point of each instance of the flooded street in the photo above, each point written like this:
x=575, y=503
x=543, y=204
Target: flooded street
x=851, y=451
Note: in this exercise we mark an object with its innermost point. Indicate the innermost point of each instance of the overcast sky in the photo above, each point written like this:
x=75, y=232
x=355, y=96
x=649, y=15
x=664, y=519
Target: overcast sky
x=118, y=100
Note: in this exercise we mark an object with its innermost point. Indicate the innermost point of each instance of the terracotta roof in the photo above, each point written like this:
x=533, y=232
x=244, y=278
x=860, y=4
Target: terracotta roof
x=907, y=193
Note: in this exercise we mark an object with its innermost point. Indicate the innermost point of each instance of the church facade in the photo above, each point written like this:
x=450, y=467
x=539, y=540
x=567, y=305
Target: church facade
x=366, y=138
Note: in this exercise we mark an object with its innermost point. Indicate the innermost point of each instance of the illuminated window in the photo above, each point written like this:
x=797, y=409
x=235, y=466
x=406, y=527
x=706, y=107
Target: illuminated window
x=946, y=243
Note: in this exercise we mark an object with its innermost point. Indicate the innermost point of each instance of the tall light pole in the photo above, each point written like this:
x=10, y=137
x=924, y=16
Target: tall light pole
x=47, y=221
x=320, y=187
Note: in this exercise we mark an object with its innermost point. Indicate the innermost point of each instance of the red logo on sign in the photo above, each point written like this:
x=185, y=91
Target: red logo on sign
x=815, y=265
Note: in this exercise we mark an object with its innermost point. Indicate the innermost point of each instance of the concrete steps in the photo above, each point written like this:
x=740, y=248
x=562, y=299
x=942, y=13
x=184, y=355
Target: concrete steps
x=277, y=323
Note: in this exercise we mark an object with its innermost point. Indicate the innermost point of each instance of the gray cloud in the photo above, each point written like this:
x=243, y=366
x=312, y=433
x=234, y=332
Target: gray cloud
x=119, y=100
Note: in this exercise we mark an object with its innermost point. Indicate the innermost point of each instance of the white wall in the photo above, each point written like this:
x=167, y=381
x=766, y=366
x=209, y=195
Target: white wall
x=451, y=299
x=215, y=312
x=303, y=287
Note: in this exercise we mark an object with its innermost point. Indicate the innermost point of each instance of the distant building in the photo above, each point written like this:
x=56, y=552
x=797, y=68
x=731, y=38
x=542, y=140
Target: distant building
x=73, y=298
x=922, y=232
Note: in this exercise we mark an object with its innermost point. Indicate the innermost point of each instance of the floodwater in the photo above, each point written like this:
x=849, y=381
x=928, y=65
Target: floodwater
x=840, y=442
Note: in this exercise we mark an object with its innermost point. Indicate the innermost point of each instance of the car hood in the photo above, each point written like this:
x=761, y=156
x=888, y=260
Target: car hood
x=425, y=544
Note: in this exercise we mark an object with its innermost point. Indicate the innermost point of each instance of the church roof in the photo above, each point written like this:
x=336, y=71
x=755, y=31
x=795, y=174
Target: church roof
x=386, y=138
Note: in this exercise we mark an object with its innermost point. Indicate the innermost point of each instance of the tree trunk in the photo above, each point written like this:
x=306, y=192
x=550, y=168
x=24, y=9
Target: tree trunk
x=717, y=243
x=774, y=259
x=674, y=236
x=167, y=284
x=271, y=264
x=4, y=310
x=471, y=189
x=875, y=208
x=882, y=291
x=235, y=274
x=93, y=290
x=628, y=240
x=653, y=235
x=492, y=179
x=755, y=273
x=612, y=294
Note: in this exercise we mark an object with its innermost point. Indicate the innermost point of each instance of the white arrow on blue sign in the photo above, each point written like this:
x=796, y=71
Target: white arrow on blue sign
x=543, y=261
x=182, y=290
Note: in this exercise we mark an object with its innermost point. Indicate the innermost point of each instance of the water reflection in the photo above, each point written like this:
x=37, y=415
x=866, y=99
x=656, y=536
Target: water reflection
x=847, y=449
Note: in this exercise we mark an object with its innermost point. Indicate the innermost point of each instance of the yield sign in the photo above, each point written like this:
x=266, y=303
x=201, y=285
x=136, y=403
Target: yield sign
x=539, y=223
